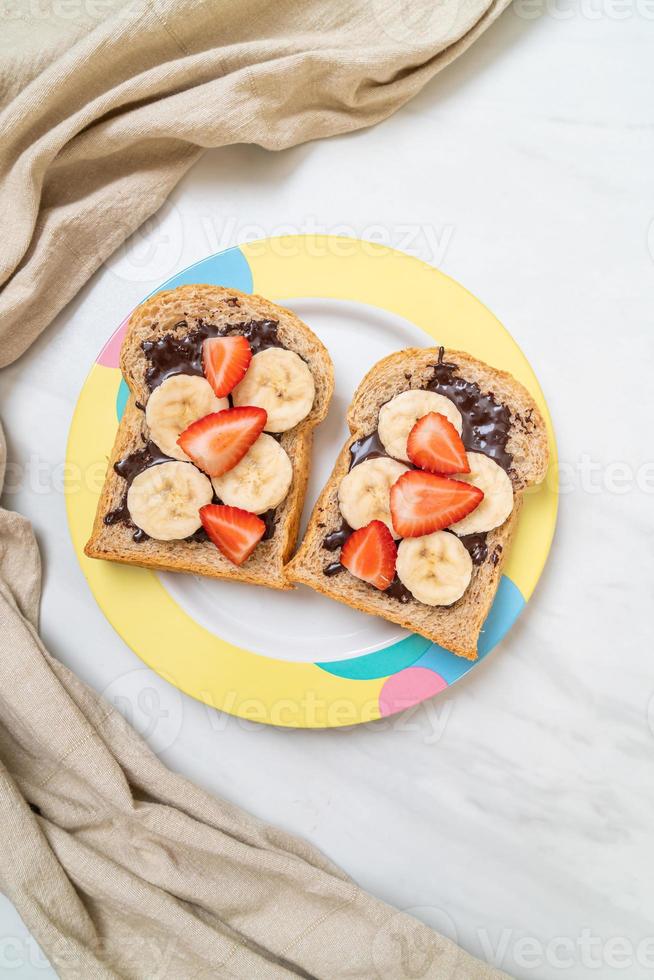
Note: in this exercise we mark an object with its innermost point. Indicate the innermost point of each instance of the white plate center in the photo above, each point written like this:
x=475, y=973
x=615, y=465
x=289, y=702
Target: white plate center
x=303, y=625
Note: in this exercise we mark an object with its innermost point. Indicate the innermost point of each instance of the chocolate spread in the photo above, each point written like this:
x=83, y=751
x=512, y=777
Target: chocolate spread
x=333, y=568
x=130, y=466
x=172, y=355
x=486, y=423
x=486, y=428
x=336, y=540
x=370, y=447
x=476, y=546
x=398, y=591
x=183, y=355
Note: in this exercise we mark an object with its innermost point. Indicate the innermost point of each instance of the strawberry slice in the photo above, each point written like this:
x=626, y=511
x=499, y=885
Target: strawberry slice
x=217, y=442
x=435, y=445
x=370, y=554
x=423, y=502
x=235, y=532
x=224, y=362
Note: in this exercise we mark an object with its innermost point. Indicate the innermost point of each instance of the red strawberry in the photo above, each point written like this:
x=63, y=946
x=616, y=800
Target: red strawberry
x=423, y=502
x=218, y=441
x=224, y=362
x=435, y=445
x=370, y=554
x=235, y=532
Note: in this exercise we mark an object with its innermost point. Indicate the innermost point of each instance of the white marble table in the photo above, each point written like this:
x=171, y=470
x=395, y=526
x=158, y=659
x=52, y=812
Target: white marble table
x=514, y=813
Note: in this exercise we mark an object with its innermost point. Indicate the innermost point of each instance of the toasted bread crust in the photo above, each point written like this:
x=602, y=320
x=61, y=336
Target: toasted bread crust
x=163, y=314
x=456, y=627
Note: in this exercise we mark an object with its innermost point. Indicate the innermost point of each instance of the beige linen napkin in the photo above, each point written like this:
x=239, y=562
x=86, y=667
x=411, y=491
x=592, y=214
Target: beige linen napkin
x=98, y=138
x=119, y=867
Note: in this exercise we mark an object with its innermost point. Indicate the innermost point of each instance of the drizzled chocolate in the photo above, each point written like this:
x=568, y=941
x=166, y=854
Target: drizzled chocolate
x=370, y=447
x=486, y=428
x=269, y=520
x=141, y=459
x=171, y=355
x=336, y=540
x=129, y=467
x=486, y=423
x=396, y=590
x=476, y=546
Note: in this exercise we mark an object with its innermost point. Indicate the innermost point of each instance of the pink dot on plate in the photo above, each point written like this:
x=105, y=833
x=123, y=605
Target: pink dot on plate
x=409, y=687
x=110, y=353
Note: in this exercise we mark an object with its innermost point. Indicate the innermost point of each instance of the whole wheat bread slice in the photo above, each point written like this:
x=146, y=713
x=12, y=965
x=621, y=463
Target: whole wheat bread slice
x=454, y=627
x=176, y=312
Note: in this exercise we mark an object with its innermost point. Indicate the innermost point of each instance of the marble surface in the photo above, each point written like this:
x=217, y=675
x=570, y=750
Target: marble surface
x=515, y=811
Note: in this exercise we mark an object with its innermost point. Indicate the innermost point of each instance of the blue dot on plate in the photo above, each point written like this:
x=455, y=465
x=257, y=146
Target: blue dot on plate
x=121, y=398
x=228, y=268
x=508, y=605
x=415, y=651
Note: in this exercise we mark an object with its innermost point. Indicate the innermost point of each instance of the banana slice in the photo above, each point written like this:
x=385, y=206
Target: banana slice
x=398, y=416
x=164, y=500
x=174, y=404
x=260, y=481
x=498, y=495
x=364, y=495
x=436, y=568
x=279, y=381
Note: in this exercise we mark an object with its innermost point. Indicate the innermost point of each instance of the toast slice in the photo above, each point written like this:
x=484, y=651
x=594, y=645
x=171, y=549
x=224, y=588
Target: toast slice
x=525, y=458
x=177, y=315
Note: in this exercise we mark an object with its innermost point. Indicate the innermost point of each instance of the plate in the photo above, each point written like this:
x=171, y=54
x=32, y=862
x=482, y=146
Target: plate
x=298, y=659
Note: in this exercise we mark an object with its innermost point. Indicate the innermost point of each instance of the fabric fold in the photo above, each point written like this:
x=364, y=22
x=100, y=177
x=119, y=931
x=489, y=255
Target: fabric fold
x=94, y=144
x=123, y=869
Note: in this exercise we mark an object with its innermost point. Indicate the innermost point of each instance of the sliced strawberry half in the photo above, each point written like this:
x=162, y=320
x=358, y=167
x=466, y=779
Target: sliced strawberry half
x=224, y=362
x=424, y=502
x=435, y=445
x=370, y=554
x=218, y=441
x=235, y=532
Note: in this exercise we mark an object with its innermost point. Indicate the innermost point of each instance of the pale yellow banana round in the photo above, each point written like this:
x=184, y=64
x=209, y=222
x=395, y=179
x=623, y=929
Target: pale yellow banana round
x=174, y=404
x=398, y=416
x=498, y=495
x=164, y=500
x=364, y=494
x=435, y=568
x=260, y=481
x=279, y=381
